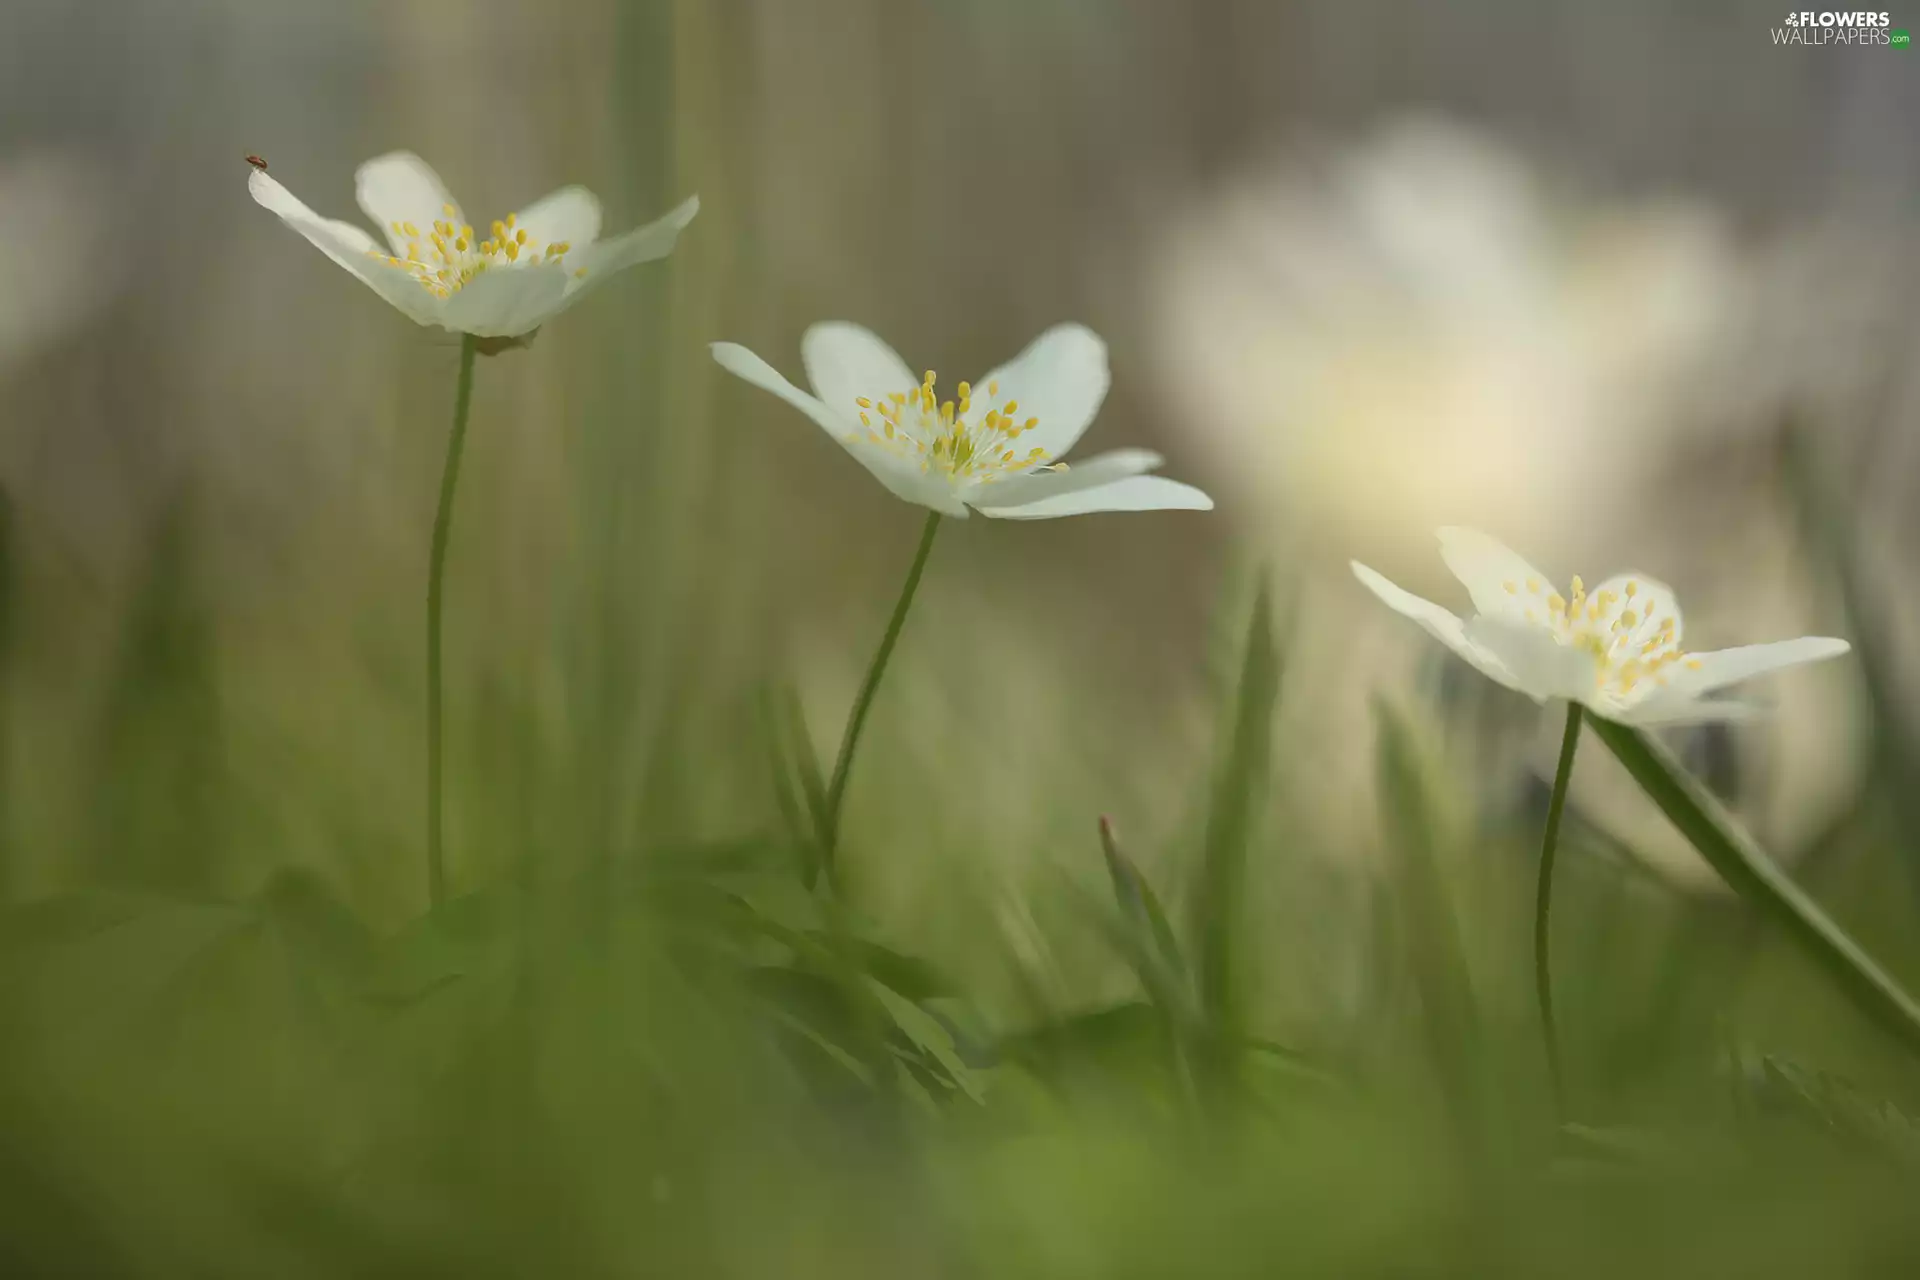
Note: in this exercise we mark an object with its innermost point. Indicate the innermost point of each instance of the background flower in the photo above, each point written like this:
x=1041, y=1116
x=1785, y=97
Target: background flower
x=1427, y=330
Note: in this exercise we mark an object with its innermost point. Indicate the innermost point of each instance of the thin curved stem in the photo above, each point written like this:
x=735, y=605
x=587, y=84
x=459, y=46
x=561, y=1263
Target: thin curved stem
x=1543, y=902
x=436, y=571
x=837, y=788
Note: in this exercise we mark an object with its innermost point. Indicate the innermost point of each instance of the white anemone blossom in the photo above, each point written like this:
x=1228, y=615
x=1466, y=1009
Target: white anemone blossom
x=1615, y=650
x=438, y=270
x=994, y=446
x=1367, y=340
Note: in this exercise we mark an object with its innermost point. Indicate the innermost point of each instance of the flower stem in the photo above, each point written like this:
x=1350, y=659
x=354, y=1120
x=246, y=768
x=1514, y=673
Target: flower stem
x=837, y=788
x=443, y=518
x=1543, y=901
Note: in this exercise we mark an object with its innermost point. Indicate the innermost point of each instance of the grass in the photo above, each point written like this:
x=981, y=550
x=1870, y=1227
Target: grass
x=685, y=1056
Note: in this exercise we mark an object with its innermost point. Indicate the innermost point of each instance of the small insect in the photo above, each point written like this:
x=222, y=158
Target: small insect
x=257, y=162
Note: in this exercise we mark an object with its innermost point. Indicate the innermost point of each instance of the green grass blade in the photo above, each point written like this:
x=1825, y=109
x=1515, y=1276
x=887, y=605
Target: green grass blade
x=1238, y=791
x=1752, y=875
x=1140, y=904
x=1433, y=949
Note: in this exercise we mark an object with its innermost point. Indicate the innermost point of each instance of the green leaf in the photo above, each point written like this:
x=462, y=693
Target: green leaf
x=925, y=1031
x=1755, y=878
x=1766, y=1083
x=1238, y=790
x=1138, y=902
x=1145, y=939
x=1111, y=1031
x=798, y=786
x=1433, y=948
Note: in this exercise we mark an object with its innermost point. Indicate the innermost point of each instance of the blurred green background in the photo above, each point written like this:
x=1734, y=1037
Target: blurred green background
x=1628, y=285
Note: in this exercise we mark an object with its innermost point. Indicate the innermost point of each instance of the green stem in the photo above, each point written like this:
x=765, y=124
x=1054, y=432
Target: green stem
x=436, y=571
x=1543, y=903
x=837, y=788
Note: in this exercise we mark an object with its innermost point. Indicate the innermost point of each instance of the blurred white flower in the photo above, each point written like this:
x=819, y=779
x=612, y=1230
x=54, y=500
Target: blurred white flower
x=993, y=448
x=504, y=284
x=1616, y=652
x=1417, y=334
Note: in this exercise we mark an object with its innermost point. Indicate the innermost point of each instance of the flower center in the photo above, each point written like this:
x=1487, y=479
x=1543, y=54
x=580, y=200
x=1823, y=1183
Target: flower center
x=1621, y=631
x=918, y=426
x=448, y=256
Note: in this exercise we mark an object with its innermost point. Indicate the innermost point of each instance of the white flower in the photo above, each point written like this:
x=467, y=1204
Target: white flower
x=993, y=447
x=1615, y=651
x=1369, y=340
x=501, y=283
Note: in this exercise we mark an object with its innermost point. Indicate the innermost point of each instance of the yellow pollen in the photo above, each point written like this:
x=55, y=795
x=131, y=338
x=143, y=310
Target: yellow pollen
x=1030, y=424
x=1633, y=589
x=1512, y=589
x=1533, y=586
x=520, y=236
x=581, y=274
x=513, y=220
x=460, y=245
x=513, y=251
x=993, y=389
x=1010, y=407
x=1693, y=664
x=1578, y=587
x=412, y=231
x=1630, y=618
x=1556, y=603
x=449, y=210
x=966, y=390
x=863, y=402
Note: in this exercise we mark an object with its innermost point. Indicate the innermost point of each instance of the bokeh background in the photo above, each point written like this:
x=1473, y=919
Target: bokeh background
x=1628, y=285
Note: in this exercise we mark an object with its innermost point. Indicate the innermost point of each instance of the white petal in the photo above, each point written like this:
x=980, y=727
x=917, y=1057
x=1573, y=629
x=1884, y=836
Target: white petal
x=1723, y=667
x=400, y=187
x=1141, y=493
x=1486, y=567
x=629, y=249
x=1542, y=667
x=1441, y=625
x=901, y=478
x=1103, y=468
x=1658, y=711
x=348, y=246
x=570, y=215
x=1061, y=379
x=846, y=362
x=1652, y=602
x=507, y=301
